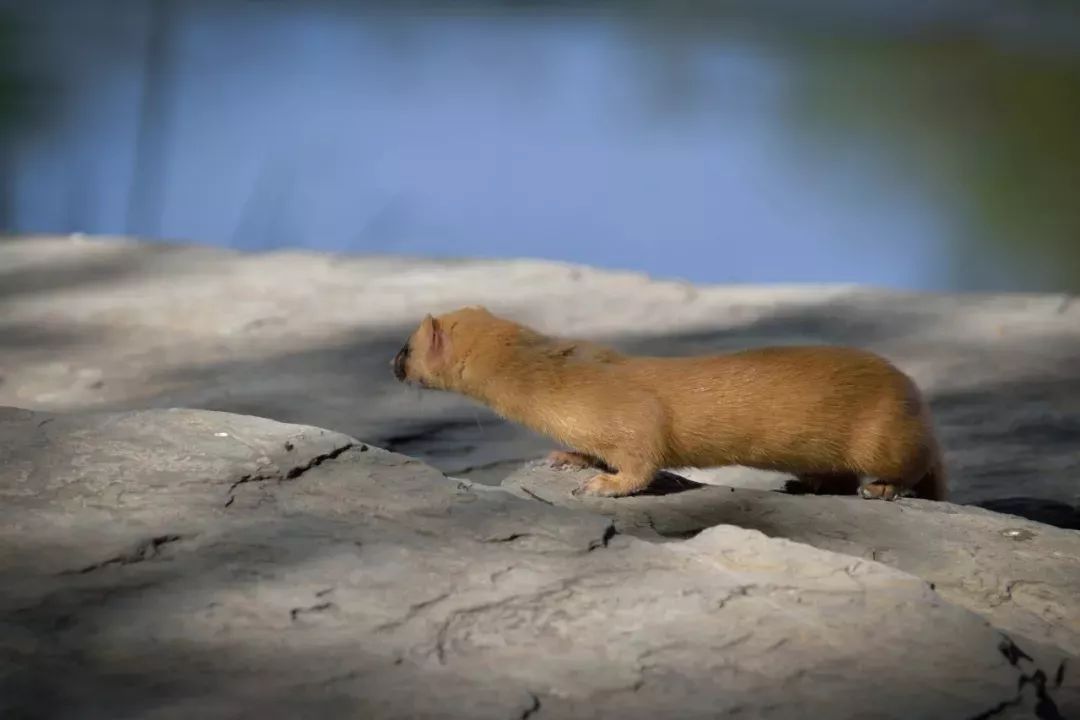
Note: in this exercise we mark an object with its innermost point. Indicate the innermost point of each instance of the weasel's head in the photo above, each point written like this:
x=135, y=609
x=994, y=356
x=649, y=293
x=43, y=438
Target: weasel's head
x=437, y=353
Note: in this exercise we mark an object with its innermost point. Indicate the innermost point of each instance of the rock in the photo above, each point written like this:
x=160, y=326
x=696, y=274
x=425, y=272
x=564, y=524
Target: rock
x=1022, y=576
x=177, y=564
x=305, y=338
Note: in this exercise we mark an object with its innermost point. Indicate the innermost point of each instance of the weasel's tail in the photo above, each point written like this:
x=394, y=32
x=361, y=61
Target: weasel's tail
x=933, y=485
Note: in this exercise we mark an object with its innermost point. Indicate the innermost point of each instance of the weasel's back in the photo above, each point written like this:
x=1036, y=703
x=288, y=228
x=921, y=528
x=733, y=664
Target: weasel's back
x=784, y=377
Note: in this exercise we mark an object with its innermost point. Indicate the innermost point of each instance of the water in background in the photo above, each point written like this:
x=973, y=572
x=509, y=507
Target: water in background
x=928, y=145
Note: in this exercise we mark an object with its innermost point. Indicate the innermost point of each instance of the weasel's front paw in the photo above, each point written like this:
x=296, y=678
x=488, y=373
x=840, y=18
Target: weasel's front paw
x=602, y=485
x=607, y=485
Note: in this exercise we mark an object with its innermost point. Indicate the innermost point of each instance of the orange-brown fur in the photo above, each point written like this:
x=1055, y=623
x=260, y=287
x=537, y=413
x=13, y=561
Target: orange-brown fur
x=829, y=415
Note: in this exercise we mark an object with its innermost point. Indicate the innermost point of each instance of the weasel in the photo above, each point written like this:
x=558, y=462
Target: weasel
x=840, y=419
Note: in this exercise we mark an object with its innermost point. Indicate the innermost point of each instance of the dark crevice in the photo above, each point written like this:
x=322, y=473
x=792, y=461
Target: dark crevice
x=261, y=476
x=1045, y=707
x=609, y=532
x=296, y=613
x=275, y=474
x=316, y=461
x=532, y=709
x=1013, y=653
x=534, y=496
x=508, y=538
x=144, y=550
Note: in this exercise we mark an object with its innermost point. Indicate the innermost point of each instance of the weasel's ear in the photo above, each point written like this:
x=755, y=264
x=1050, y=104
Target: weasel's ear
x=436, y=337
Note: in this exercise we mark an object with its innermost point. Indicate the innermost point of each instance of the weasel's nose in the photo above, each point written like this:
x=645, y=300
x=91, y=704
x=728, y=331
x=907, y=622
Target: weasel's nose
x=399, y=363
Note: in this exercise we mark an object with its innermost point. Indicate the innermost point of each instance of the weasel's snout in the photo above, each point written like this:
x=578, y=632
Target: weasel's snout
x=399, y=363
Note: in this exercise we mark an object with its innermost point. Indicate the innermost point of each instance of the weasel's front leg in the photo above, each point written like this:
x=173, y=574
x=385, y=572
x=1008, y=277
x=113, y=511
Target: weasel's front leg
x=632, y=451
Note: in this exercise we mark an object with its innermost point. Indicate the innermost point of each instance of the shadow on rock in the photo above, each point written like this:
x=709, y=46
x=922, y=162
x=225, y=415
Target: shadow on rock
x=825, y=323
x=1048, y=512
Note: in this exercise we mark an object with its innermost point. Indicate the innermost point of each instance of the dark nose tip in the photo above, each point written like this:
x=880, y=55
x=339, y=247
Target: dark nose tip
x=399, y=363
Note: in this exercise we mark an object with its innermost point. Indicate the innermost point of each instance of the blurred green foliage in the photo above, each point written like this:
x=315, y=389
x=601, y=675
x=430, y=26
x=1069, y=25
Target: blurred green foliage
x=992, y=130
x=984, y=118
x=13, y=87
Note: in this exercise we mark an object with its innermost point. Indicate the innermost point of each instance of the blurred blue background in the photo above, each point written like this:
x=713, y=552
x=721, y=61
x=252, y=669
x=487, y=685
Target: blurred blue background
x=924, y=145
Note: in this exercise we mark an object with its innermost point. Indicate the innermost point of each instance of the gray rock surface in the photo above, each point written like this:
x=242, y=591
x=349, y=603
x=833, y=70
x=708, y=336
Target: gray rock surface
x=113, y=324
x=1022, y=576
x=179, y=564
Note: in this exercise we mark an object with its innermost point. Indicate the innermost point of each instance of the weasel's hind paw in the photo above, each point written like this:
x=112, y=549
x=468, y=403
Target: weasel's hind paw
x=881, y=490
